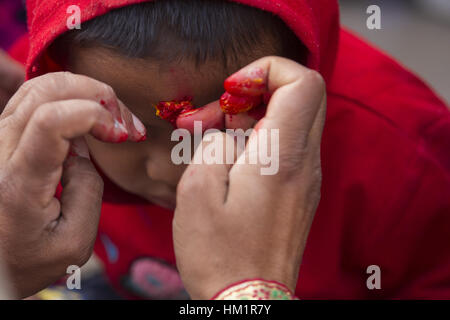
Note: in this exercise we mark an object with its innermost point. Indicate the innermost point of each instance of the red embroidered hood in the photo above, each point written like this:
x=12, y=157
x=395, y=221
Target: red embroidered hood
x=315, y=22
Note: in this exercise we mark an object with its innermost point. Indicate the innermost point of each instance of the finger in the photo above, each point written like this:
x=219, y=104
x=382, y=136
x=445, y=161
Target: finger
x=12, y=74
x=233, y=104
x=208, y=173
x=296, y=91
x=80, y=201
x=46, y=139
x=297, y=95
x=210, y=115
x=136, y=129
x=56, y=87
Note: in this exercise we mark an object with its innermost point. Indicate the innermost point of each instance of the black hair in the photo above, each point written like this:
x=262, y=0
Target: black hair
x=188, y=29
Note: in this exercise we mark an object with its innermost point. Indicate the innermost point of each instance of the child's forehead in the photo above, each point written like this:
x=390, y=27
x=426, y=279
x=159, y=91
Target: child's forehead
x=151, y=80
x=156, y=80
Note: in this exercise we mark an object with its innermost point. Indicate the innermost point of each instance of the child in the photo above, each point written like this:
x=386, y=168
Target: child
x=385, y=150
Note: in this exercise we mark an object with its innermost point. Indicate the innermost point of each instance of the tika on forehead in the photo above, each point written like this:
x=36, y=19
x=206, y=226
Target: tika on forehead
x=171, y=110
x=243, y=92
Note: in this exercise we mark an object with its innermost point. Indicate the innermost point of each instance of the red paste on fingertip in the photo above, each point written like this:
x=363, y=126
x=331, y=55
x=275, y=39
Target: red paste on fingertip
x=231, y=104
x=250, y=83
x=245, y=90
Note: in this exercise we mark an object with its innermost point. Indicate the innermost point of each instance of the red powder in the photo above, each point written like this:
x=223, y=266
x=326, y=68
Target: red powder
x=244, y=91
x=170, y=110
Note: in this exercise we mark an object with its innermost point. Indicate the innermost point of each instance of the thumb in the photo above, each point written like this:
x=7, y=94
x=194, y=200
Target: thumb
x=208, y=173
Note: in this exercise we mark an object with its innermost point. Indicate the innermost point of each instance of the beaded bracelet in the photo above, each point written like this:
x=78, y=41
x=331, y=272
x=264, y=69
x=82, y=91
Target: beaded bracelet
x=255, y=289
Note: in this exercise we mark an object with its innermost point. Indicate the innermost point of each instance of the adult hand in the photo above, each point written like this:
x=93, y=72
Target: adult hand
x=40, y=235
x=232, y=223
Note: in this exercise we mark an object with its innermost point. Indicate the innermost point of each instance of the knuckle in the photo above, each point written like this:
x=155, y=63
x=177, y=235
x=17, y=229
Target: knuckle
x=315, y=78
x=46, y=116
x=107, y=90
x=78, y=251
x=273, y=59
x=46, y=81
x=290, y=164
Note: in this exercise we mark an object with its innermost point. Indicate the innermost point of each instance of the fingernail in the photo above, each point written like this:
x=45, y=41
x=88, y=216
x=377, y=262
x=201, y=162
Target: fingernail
x=139, y=126
x=231, y=104
x=189, y=112
x=79, y=149
x=113, y=107
x=121, y=130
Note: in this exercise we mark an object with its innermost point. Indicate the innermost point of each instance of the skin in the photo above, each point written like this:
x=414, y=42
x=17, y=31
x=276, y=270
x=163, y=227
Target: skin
x=63, y=112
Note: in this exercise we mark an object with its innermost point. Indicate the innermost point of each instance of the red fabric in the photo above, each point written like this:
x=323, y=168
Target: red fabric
x=386, y=169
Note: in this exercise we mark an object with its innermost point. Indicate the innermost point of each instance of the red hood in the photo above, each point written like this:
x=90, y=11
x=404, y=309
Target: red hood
x=315, y=22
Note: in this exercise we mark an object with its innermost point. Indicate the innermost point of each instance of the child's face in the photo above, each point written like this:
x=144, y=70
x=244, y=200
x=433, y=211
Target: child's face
x=146, y=168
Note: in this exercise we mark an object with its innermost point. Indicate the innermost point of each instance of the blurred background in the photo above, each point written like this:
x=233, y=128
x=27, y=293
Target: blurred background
x=416, y=32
